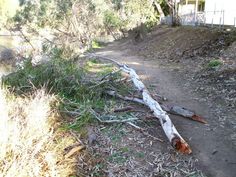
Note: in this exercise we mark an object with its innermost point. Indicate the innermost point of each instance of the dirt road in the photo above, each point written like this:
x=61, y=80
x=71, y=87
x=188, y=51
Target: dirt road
x=211, y=145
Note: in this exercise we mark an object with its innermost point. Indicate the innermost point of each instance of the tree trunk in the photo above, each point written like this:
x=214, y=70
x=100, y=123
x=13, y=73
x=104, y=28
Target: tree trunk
x=159, y=9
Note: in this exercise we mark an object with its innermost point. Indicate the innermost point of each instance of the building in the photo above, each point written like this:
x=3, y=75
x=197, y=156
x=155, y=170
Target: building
x=209, y=12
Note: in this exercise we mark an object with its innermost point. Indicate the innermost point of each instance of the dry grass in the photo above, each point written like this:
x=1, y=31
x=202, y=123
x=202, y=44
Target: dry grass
x=30, y=143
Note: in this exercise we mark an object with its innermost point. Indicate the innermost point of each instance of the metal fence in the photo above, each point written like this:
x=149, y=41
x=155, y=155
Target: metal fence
x=209, y=18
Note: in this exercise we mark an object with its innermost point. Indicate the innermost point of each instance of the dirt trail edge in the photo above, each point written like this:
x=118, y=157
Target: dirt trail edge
x=215, y=152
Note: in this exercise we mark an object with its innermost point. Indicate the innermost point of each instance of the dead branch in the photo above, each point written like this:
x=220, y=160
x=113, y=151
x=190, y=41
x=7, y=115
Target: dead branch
x=184, y=112
x=126, y=98
x=98, y=84
x=172, y=134
x=112, y=120
x=127, y=108
x=110, y=74
x=26, y=39
x=74, y=150
x=124, y=79
x=177, y=110
x=145, y=133
x=174, y=137
x=116, y=120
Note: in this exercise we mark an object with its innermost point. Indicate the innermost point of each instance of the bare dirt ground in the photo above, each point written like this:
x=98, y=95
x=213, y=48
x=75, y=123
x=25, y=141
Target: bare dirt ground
x=173, y=62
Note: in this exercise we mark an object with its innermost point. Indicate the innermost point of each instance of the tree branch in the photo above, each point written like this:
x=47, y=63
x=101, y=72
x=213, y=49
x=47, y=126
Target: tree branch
x=172, y=134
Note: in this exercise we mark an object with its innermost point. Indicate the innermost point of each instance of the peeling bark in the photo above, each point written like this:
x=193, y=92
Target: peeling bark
x=172, y=134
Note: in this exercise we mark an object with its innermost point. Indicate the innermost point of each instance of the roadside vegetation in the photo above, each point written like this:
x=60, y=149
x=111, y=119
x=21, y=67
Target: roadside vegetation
x=31, y=143
x=41, y=105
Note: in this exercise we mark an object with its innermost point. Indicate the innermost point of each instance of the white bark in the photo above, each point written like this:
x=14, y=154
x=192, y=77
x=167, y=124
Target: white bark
x=172, y=134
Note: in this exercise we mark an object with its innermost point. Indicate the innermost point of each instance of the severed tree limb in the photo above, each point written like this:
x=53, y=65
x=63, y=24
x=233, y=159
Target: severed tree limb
x=172, y=134
x=177, y=110
x=181, y=111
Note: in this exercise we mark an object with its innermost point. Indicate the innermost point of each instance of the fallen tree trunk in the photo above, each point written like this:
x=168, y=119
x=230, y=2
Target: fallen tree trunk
x=172, y=134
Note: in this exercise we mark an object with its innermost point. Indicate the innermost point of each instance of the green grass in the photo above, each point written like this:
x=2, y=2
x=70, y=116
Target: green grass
x=214, y=63
x=96, y=44
x=118, y=157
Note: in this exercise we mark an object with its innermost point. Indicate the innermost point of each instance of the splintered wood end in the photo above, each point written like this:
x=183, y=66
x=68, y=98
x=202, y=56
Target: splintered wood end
x=199, y=119
x=181, y=145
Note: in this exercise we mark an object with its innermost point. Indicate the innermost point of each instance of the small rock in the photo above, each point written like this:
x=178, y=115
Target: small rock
x=214, y=152
x=92, y=139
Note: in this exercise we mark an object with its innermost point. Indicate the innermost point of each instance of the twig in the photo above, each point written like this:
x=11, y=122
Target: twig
x=128, y=108
x=74, y=150
x=116, y=121
x=74, y=135
x=27, y=40
x=98, y=84
x=122, y=80
x=110, y=74
x=145, y=133
x=126, y=98
x=135, y=126
x=111, y=121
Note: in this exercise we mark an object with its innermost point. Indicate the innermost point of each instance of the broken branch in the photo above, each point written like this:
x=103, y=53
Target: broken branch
x=145, y=133
x=172, y=134
x=177, y=110
x=126, y=98
x=128, y=108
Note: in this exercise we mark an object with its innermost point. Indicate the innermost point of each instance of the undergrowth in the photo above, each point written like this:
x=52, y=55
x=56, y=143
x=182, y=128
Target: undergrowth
x=79, y=90
x=80, y=99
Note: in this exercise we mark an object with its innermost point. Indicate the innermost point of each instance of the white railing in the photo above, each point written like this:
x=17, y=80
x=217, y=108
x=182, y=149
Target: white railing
x=210, y=18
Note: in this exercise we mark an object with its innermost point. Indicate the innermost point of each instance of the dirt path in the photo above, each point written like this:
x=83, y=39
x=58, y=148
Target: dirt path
x=215, y=152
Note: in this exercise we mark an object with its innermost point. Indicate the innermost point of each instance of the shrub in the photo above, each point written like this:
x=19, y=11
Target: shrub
x=214, y=63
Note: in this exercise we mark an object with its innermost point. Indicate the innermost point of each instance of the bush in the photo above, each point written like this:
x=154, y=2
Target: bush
x=59, y=76
x=112, y=20
x=76, y=88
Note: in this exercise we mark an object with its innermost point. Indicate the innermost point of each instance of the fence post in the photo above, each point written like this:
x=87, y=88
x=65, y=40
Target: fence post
x=234, y=21
x=221, y=15
x=223, y=18
x=220, y=23
x=204, y=17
